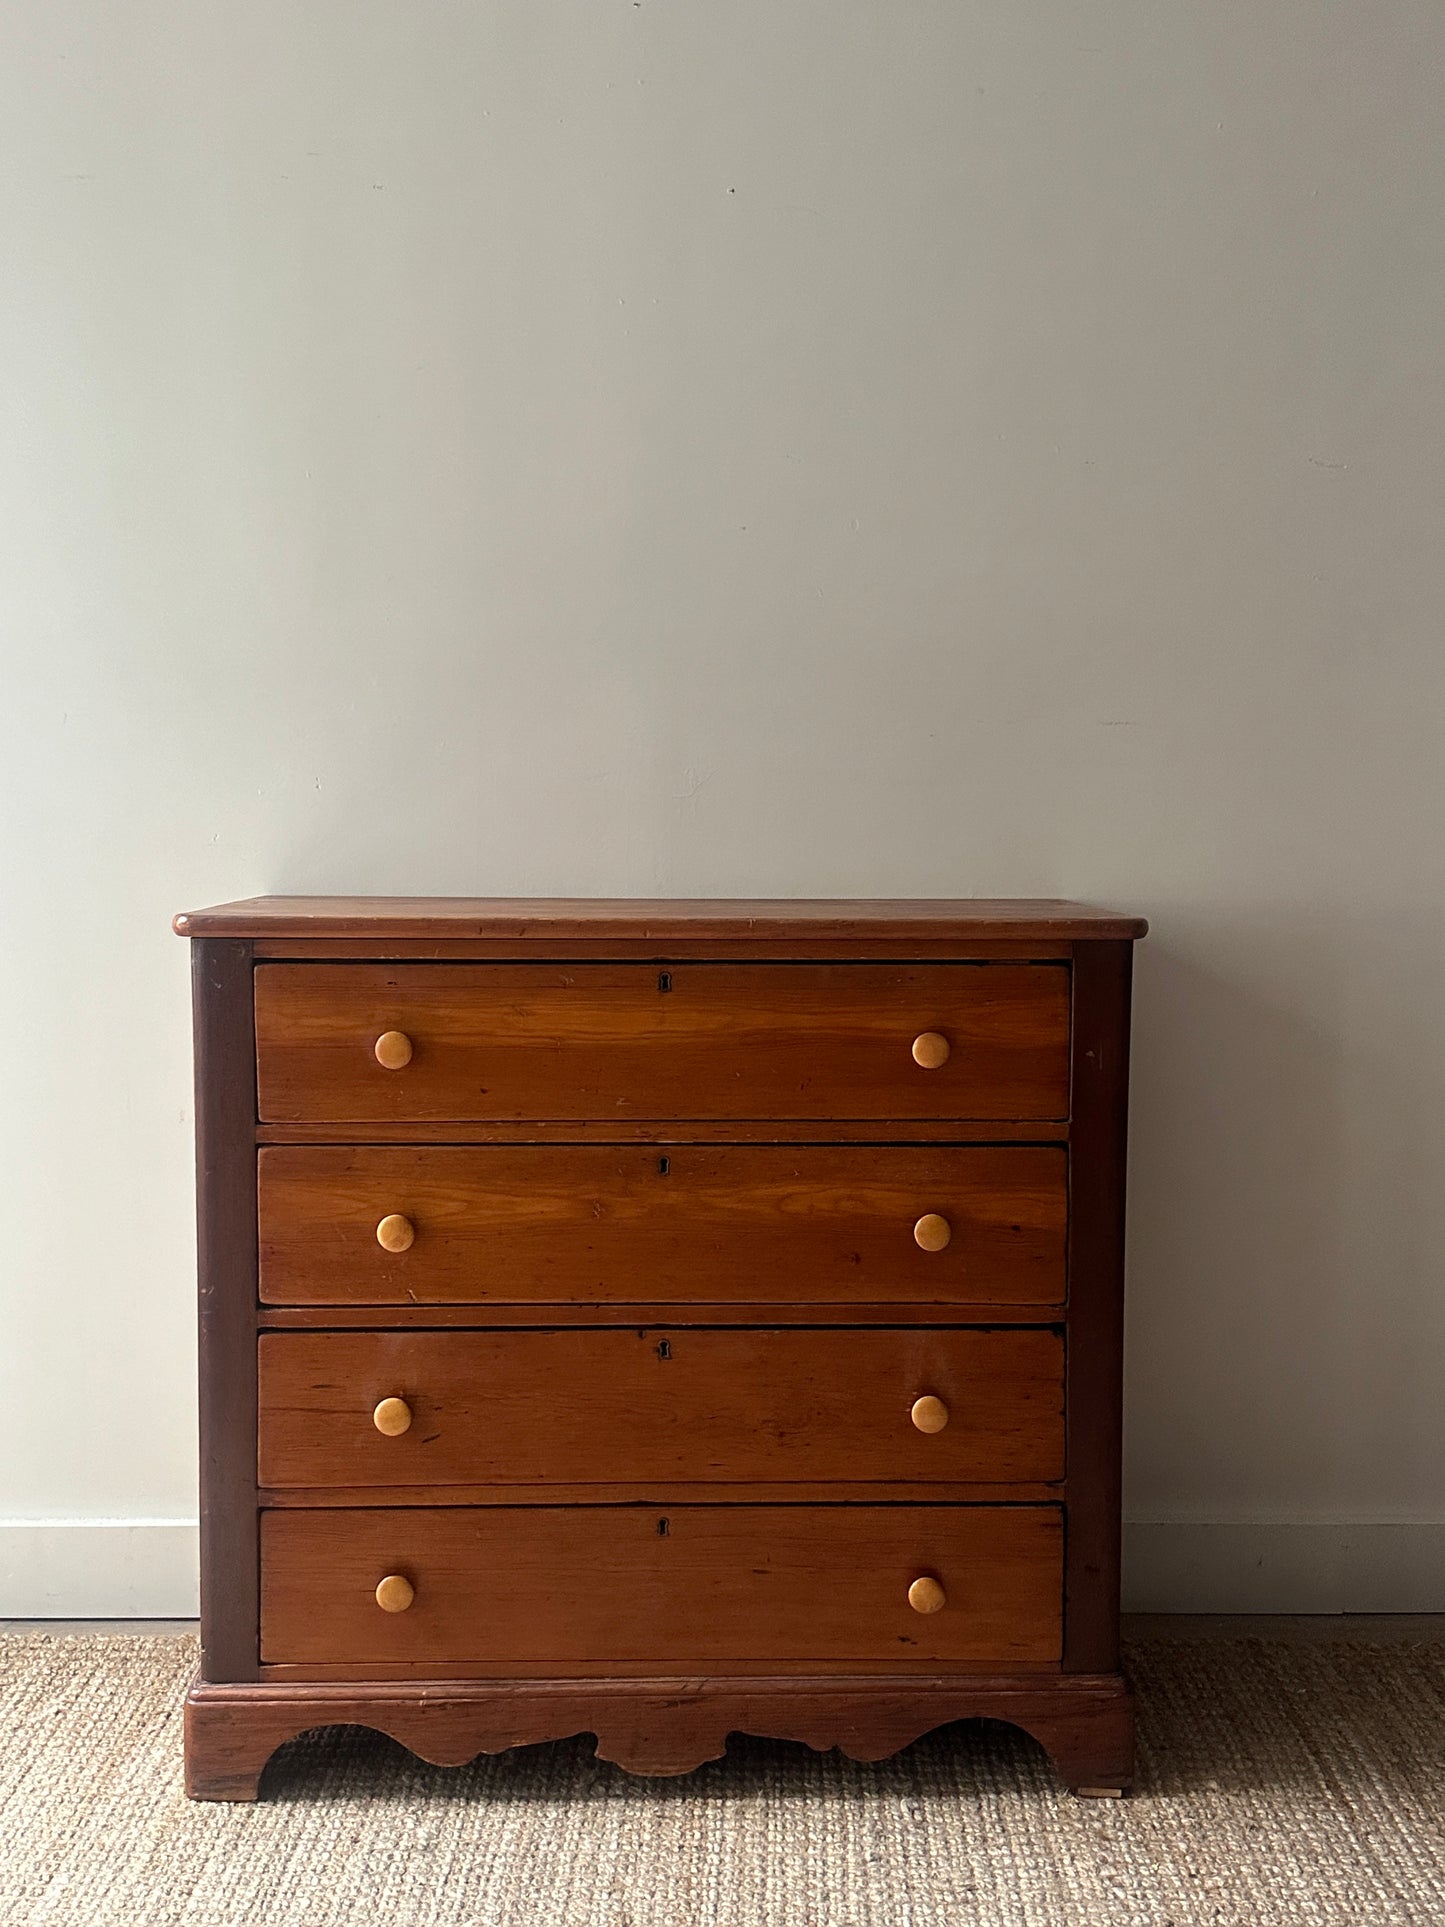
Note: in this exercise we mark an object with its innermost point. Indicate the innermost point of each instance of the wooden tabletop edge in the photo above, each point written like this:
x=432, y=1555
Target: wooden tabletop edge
x=544, y=919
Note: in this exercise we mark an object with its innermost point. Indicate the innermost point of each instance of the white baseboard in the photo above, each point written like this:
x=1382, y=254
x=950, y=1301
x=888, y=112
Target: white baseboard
x=97, y=1568
x=1188, y=1567
x=146, y=1568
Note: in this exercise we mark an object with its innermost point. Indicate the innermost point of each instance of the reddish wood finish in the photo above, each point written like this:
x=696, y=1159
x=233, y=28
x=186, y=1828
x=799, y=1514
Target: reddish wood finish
x=1098, y=1157
x=720, y=1406
x=698, y=1224
x=683, y=1585
x=225, y=1048
x=526, y=922
x=617, y=1669
x=521, y=1317
x=742, y=1130
x=556, y=1041
x=661, y=1726
x=674, y=950
x=764, y=1050
x=666, y=1492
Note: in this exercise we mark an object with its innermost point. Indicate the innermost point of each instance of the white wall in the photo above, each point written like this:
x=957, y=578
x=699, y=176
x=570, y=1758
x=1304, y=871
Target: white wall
x=780, y=447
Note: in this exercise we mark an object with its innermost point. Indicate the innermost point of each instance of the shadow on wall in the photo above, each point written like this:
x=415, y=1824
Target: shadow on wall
x=1240, y=1314
x=1287, y=1229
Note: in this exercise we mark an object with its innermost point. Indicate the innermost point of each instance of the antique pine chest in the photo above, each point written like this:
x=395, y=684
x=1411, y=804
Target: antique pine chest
x=659, y=1320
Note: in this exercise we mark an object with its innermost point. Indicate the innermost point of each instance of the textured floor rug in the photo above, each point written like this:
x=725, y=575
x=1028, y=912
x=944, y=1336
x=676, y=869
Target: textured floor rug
x=1281, y=1783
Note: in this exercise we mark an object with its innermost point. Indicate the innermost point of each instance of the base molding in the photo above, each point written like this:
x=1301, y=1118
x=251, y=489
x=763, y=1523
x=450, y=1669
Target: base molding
x=1311, y=1566
x=1085, y=1722
x=98, y=1568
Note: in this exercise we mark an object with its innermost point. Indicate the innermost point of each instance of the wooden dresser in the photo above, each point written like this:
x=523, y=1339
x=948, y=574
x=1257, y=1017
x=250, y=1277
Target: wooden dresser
x=659, y=1320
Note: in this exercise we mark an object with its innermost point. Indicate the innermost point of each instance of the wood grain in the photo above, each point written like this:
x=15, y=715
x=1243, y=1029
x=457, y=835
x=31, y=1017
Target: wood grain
x=660, y=1726
x=723, y=1406
x=695, y=1224
x=545, y=920
x=1098, y=1160
x=614, y=1669
x=665, y=1492
x=590, y=1041
x=685, y=1585
x=863, y=944
x=225, y=1059
x=707, y=1509
x=665, y=1131
x=741, y=1311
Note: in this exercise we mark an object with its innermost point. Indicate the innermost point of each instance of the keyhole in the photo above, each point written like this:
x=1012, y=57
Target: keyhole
x=662, y=1528
x=664, y=980
x=664, y=1350
x=664, y=1165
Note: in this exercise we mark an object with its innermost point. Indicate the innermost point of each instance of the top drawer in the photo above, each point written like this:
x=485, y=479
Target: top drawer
x=562, y=1042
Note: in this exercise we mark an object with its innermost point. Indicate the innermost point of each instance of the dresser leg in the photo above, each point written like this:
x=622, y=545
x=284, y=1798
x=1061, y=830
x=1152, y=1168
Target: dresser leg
x=1084, y=1722
x=228, y=1743
x=1092, y=1745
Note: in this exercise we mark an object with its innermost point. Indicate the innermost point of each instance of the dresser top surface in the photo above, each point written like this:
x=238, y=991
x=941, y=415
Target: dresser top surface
x=549, y=919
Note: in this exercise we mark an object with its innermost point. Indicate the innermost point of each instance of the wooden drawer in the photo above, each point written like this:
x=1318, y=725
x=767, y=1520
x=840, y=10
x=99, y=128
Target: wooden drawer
x=617, y=1041
x=571, y=1407
x=674, y=1586
x=689, y=1224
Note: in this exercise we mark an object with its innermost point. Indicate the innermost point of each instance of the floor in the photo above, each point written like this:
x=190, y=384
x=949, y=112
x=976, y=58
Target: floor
x=1292, y=1774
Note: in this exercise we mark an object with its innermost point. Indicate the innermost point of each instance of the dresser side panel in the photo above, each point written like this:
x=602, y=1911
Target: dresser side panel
x=1098, y=1140
x=225, y=1048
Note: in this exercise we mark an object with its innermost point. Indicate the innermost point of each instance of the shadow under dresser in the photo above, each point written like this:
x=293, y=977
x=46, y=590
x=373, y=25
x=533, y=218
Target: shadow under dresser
x=659, y=1320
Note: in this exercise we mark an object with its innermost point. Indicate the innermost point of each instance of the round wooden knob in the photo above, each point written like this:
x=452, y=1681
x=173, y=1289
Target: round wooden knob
x=931, y=1050
x=393, y=1417
x=928, y=1413
x=396, y=1233
x=924, y=1595
x=932, y=1232
x=393, y=1050
x=395, y=1593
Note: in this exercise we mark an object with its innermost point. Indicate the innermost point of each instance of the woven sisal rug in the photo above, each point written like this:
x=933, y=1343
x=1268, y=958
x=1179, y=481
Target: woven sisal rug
x=1281, y=1783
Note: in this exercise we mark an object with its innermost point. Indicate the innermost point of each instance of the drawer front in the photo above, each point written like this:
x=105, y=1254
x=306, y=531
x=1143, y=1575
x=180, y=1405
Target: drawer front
x=680, y=1585
x=561, y=1042
x=685, y=1224
x=533, y=1408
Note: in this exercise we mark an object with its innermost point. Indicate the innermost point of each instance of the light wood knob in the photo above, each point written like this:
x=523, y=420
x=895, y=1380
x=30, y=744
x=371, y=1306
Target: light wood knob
x=932, y=1232
x=931, y=1050
x=928, y=1413
x=925, y=1595
x=393, y=1050
x=395, y=1593
x=396, y=1233
x=393, y=1417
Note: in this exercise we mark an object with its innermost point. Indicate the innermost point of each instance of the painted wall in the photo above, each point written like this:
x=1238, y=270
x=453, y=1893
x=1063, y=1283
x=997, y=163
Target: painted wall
x=781, y=448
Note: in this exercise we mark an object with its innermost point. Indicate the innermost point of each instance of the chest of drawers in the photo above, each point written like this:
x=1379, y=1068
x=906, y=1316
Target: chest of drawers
x=659, y=1320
